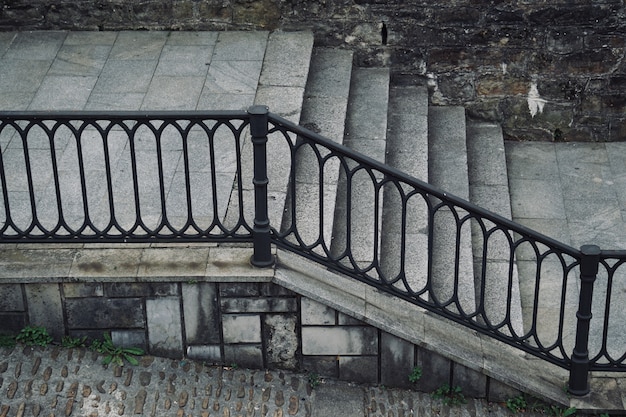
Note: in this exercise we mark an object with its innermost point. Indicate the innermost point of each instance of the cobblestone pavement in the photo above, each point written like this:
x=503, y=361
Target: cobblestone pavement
x=73, y=382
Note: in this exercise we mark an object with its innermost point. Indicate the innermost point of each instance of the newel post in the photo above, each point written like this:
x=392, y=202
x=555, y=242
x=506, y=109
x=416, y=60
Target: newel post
x=262, y=256
x=579, y=372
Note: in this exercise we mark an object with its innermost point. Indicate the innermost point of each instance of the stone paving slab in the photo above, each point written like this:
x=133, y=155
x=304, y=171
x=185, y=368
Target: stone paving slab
x=80, y=60
x=125, y=71
x=578, y=183
x=575, y=193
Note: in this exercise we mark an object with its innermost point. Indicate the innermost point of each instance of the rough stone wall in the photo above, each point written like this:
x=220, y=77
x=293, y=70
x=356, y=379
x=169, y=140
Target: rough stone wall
x=252, y=324
x=138, y=14
x=546, y=70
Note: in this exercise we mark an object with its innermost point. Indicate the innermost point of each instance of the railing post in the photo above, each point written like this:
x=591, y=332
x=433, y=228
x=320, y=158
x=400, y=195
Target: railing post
x=262, y=256
x=579, y=372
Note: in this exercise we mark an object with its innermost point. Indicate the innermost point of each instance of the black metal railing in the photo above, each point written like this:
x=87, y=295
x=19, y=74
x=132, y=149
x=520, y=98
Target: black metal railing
x=121, y=177
x=195, y=176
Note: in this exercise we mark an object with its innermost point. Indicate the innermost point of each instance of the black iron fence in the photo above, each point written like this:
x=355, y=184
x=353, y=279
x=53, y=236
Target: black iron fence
x=121, y=177
x=253, y=176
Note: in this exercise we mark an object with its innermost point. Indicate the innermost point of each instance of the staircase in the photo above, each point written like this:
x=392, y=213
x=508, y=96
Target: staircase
x=361, y=108
x=395, y=125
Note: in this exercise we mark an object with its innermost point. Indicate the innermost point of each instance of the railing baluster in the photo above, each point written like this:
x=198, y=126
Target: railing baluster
x=579, y=371
x=262, y=256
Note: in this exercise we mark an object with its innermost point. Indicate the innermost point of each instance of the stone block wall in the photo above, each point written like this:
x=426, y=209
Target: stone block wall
x=546, y=70
x=252, y=324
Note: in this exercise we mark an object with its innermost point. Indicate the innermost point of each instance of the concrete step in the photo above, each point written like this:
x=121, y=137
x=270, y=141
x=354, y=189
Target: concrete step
x=281, y=87
x=497, y=286
x=407, y=150
x=358, y=207
x=447, y=170
x=324, y=112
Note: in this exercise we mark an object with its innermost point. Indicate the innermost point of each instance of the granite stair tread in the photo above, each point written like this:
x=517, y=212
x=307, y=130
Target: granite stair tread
x=407, y=151
x=452, y=245
x=497, y=286
x=358, y=206
x=323, y=111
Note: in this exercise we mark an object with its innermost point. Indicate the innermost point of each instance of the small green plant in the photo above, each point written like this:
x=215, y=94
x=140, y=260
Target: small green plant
x=450, y=396
x=314, y=379
x=517, y=404
x=234, y=366
x=73, y=342
x=522, y=403
x=562, y=412
x=114, y=354
x=415, y=374
x=7, y=340
x=34, y=336
x=96, y=346
x=558, y=135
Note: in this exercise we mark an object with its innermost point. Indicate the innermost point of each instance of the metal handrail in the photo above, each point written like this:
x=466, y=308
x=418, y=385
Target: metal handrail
x=426, y=187
x=157, y=150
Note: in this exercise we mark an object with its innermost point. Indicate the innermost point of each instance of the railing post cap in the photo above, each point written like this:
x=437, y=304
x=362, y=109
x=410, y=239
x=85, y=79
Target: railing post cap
x=590, y=250
x=258, y=110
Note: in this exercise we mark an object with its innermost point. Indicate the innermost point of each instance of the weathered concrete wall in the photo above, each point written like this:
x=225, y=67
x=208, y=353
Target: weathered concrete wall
x=546, y=70
x=251, y=324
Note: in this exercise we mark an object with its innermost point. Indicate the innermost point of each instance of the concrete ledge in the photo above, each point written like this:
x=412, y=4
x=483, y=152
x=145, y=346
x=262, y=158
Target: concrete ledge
x=131, y=263
x=457, y=343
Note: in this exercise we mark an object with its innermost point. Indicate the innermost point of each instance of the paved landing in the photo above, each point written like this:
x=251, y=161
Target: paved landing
x=124, y=71
x=130, y=70
x=143, y=71
x=573, y=192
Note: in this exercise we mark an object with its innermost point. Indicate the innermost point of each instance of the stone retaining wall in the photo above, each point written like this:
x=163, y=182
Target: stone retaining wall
x=251, y=324
x=546, y=70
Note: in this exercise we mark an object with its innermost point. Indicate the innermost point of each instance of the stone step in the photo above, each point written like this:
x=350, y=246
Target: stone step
x=324, y=112
x=281, y=88
x=358, y=208
x=498, y=290
x=447, y=170
x=407, y=150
